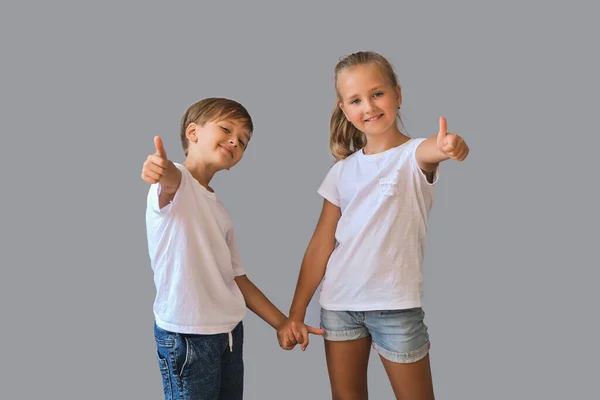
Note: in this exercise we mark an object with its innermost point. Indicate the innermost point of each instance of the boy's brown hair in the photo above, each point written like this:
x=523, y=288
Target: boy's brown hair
x=213, y=109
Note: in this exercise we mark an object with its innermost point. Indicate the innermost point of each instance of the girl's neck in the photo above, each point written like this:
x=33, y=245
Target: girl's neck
x=385, y=141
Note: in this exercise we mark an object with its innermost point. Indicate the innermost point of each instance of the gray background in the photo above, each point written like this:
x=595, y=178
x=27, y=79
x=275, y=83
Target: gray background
x=510, y=266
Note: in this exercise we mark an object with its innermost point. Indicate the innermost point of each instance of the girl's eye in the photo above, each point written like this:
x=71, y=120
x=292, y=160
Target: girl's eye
x=243, y=144
x=355, y=101
x=225, y=129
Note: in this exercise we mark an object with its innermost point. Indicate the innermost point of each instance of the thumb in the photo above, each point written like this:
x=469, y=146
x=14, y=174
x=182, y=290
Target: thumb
x=442, y=133
x=160, y=149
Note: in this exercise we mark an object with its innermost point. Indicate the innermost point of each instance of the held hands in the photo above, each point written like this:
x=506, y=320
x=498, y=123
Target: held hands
x=158, y=169
x=450, y=144
x=294, y=332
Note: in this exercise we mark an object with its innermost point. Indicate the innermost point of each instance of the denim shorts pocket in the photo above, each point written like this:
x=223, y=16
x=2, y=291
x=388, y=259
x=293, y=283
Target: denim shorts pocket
x=166, y=376
x=406, y=311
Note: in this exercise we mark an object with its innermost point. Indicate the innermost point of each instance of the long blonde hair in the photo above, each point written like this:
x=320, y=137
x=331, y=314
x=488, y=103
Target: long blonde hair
x=345, y=138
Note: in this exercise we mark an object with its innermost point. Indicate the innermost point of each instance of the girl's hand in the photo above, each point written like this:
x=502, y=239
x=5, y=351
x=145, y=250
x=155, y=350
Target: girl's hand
x=452, y=145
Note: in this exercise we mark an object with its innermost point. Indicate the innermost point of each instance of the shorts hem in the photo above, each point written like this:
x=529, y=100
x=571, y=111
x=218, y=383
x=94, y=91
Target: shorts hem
x=404, y=358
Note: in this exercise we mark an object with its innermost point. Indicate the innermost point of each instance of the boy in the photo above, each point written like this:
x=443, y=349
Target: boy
x=201, y=287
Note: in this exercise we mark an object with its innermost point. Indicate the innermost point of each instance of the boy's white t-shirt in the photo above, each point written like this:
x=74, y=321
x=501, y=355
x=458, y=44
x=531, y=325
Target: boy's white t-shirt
x=195, y=259
x=384, y=199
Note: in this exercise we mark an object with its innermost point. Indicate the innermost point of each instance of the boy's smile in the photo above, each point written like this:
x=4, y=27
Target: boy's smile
x=220, y=144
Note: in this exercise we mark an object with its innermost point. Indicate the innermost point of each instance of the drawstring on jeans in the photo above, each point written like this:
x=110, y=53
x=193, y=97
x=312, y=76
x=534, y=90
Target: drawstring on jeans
x=230, y=342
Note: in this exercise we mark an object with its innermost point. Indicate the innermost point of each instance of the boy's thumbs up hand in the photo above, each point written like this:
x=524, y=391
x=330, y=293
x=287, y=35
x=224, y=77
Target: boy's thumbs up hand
x=158, y=169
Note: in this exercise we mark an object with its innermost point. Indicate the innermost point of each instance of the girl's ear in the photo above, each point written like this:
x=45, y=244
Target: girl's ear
x=342, y=108
x=398, y=92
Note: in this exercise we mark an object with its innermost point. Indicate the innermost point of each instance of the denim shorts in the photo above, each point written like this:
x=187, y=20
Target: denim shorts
x=398, y=335
x=201, y=367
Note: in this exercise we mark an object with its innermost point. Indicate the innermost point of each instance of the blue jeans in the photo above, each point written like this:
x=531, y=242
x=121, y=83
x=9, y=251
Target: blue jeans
x=201, y=367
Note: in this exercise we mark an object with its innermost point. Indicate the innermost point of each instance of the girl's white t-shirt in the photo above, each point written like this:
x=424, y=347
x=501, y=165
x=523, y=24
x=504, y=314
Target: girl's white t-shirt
x=385, y=200
x=195, y=260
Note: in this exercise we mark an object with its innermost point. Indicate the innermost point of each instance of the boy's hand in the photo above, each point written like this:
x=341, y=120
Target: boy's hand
x=452, y=145
x=296, y=332
x=286, y=338
x=158, y=169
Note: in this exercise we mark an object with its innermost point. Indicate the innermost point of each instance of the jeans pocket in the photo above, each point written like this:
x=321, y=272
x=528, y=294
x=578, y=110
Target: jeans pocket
x=182, y=354
x=166, y=376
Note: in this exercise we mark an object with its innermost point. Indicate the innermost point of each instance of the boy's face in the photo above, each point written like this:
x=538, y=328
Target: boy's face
x=220, y=143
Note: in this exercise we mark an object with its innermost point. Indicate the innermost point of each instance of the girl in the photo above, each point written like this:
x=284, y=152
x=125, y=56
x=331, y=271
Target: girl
x=369, y=241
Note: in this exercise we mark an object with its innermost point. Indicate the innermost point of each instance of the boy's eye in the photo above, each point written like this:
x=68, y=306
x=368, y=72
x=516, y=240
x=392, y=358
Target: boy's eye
x=243, y=144
x=378, y=94
x=225, y=129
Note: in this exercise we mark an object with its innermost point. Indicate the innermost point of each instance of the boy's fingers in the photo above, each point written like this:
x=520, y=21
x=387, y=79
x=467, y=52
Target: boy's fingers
x=305, y=337
x=149, y=180
x=305, y=344
x=152, y=175
x=155, y=168
x=157, y=160
x=291, y=338
x=297, y=334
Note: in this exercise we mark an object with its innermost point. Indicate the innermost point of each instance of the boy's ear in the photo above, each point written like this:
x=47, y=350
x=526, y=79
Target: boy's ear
x=191, y=132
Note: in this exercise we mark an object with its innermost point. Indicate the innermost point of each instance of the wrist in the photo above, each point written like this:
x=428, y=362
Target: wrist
x=297, y=315
x=167, y=190
x=278, y=323
x=170, y=181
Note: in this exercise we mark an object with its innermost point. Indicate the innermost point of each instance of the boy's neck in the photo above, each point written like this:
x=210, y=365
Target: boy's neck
x=202, y=173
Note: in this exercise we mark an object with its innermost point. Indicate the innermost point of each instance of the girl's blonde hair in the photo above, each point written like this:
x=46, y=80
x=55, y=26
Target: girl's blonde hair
x=345, y=138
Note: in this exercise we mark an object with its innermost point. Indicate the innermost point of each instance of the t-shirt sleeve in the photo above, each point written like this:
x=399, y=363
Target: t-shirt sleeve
x=236, y=260
x=329, y=186
x=418, y=169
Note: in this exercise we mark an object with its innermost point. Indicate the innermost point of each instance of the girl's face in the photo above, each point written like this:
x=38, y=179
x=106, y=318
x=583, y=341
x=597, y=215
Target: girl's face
x=368, y=100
